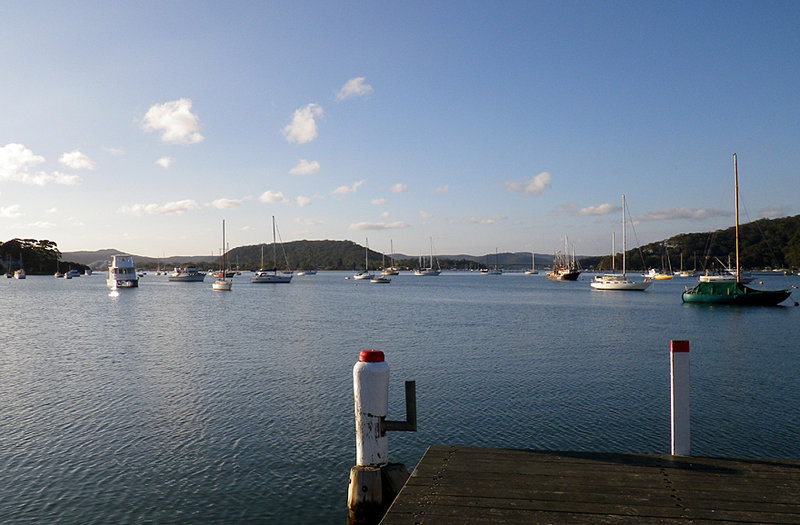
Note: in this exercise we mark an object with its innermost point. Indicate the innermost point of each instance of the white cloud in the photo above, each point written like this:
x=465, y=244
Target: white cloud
x=772, y=213
x=344, y=190
x=378, y=202
x=302, y=201
x=17, y=164
x=489, y=220
x=355, y=87
x=425, y=214
x=682, y=213
x=10, y=212
x=271, y=197
x=308, y=222
x=603, y=209
x=165, y=162
x=115, y=151
x=305, y=167
x=76, y=160
x=378, y=225
x=442, y=189
x=532, y=188
x=175, y=121
x=170, y=208
x=51, y=210
x=226, y=204
x=399, y=188
x=42, y=224
x=384, y=214
x=303, y=127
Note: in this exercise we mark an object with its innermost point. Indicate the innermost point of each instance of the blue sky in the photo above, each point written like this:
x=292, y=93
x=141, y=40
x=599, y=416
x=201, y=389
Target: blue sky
x=140, y=126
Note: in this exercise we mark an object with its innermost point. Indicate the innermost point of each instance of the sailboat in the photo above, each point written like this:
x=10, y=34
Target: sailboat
x=734, y=293
x=533, y=270
x=272, y=276
x=391, y=270
x=222, y=284
x=365, y=273
x=430, y=271
x=616, y=281
x=492, y=271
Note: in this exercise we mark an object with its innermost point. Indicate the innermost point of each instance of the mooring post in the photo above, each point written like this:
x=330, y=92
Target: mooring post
x=679, y=398
x=374, y=482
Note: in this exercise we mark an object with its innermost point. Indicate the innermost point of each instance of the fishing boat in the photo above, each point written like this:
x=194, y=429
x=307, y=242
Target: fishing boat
x=564, y=269
x=735, y=292
x=221, y=283
x=186, y=274
x=616, y=281
x=429, y=271
x=272, y=275
x=122, y=273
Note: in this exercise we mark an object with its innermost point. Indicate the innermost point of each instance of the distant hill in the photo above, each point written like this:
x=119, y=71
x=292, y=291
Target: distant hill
x=764, y=243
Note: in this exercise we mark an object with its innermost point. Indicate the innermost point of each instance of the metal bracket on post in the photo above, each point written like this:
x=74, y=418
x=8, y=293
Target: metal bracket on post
x=410, y=424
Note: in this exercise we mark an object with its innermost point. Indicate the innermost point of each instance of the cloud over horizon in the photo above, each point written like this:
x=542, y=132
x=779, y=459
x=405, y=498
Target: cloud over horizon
x=272, y=197
x=602, y=209
x=170, y=208
x=672, y=214
x=344, y=190
x=175, y=121
x=533, y=188
x=303, y=128
x=17, y=163
x=355, y=87
x=358, y=226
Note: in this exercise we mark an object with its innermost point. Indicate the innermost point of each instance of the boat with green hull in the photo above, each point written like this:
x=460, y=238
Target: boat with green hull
x=733, y=293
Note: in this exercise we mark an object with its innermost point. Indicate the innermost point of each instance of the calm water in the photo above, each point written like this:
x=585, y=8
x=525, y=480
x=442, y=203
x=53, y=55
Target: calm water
x=175, y=404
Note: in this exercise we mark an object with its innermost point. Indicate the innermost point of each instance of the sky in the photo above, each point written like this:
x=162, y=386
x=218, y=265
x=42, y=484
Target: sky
x=472, y=126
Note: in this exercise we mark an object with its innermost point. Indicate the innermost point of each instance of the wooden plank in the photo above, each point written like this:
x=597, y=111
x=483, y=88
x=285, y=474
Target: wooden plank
x=473, y=485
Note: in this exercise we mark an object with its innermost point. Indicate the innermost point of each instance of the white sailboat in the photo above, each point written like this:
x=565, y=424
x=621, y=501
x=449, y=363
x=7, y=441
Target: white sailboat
x=533, y=270
x=359, y=276
x=616, y=281
x=430, y=271
x=492, y=271
x=272, y=276
x=391, y=270
x=221, y=283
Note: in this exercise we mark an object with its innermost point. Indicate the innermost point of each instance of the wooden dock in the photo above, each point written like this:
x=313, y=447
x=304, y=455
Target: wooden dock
x=460, y=485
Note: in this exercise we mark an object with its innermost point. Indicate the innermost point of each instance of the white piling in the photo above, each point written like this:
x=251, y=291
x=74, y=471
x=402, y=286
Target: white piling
x=679, y=398
x=374, y=482
x=371, y=393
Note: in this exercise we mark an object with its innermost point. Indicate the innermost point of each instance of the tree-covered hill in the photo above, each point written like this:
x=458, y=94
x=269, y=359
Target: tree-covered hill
x=34, y=256
x=773, y=243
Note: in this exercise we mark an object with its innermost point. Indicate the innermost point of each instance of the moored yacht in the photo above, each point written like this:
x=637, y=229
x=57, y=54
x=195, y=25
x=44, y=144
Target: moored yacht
x=186, y=274
x=122, y=273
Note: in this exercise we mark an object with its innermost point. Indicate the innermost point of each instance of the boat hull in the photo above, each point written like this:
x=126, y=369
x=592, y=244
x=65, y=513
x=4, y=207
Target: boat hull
x=198, y=278
x=619, y=284
x=222, y=285
x=118, y=284
x=563, y=275
x=274, y=279
x=736, y=294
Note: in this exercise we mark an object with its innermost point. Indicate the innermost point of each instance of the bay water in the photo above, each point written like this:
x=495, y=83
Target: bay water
x=172, y=403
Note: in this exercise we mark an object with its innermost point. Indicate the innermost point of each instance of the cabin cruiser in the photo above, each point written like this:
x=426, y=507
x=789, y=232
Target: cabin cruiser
x=122, y=273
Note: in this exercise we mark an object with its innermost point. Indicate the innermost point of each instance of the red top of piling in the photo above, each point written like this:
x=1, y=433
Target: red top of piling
x=679, y=346
x=370, y=356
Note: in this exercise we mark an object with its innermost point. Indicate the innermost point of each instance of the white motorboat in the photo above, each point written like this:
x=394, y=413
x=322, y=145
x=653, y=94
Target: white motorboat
x=186, y=274
x=272, y=275
x=122, y=273
x=615, y=281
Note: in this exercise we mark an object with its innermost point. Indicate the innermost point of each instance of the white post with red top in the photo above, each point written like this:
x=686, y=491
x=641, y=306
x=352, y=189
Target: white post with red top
x=371, y=393
x=374, y=482
x=679, y=398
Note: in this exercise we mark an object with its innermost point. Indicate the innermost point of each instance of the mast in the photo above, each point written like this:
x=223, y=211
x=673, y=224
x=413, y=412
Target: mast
x=736, y=203
x=274, y=248
x=223, y=249
x=613, y=248
x=624, y=240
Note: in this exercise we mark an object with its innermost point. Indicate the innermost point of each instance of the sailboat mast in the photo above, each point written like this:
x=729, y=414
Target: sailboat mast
x=274, y=247
x=624, y=239
x=736, y=202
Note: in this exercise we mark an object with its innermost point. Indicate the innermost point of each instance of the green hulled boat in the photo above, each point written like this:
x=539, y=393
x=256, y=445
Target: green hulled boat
x=734, y=293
